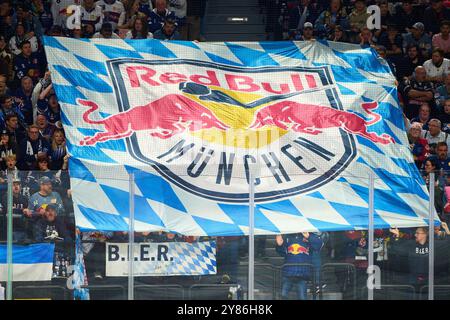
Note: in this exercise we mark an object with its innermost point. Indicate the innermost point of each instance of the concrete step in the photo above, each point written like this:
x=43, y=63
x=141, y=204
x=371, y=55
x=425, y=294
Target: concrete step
x=238, y=29
x=240, y=19
x=233, y=10
x=236, y=3
x=211, y=37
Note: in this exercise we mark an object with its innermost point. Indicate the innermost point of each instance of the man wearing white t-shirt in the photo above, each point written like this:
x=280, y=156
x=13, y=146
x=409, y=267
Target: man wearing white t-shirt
x=113, y=12
x=91, y=16
x=434, y=135
x=437, y=67
x=59, y=11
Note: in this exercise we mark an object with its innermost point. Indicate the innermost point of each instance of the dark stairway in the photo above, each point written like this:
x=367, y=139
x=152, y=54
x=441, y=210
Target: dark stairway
x=234, y=20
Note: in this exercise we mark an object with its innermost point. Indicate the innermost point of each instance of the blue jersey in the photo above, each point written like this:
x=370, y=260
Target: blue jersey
x=44, y=109
x=38, y=201
x=16, y=110
x=297, y=249
x=156, y=21
x=145, y=8
x=25, y=105
x=27, y=66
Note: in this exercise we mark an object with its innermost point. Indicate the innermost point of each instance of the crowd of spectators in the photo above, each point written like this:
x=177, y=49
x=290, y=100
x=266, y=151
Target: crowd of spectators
x=414, y=39
x=32, y=141
x=32, y=138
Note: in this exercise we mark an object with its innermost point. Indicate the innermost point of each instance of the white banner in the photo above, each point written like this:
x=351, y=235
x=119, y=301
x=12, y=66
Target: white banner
x=156, y=259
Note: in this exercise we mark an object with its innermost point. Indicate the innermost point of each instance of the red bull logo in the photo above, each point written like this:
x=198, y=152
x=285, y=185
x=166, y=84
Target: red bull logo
x=162, y=118
x=201, y=130
x=297, y=249
x=313, y=119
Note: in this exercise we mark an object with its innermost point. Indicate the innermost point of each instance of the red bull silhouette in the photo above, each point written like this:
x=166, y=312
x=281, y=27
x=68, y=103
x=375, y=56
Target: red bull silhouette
x=312, y=119
x=297, y=249
x=164, y=118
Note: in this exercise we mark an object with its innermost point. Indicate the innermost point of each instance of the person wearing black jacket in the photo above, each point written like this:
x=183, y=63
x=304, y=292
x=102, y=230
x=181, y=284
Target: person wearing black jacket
x=50, y=227
x=15, y=132
x=30, y=148
x=410, y=62
x=21, y=223
x=417, y=255
x=304, y=12
x=406, y=15
x=434, y=14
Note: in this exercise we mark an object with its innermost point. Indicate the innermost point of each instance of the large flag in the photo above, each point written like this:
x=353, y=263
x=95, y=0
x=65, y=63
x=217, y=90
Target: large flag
x=189, y=120
x=30, y=263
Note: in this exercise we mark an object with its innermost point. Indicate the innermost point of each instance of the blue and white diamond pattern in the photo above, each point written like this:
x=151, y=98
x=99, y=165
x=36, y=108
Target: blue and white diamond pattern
x=79, y=71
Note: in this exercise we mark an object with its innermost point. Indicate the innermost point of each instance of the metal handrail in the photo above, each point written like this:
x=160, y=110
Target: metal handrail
x=395, y=286
x=106, y=286
x=209, y=285
x=274, y=273
x=65, y=292
x=280, y=270
x=340, y=264
x=150, y=286
x=436, y=286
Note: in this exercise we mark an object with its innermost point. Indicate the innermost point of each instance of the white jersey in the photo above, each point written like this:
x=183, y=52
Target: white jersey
x=433, y=71
x=113, y=13
x=93, y=17
x=59, y=12
x=14, y=44
x=178, y=7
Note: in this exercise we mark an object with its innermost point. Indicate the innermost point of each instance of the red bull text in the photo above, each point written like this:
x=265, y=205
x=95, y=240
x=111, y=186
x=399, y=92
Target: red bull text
x=194, y=126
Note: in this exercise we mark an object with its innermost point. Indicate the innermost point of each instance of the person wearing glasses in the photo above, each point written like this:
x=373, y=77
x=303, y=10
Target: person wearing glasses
x=416, y=253
x=30, y=148
x=434, y=134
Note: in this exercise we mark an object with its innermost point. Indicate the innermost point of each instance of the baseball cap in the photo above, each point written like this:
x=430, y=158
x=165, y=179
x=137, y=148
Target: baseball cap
x=3, y=132
x=51, y=206
x=418, y=26
x=44, y=180
x=308, y=25
x=16, y=179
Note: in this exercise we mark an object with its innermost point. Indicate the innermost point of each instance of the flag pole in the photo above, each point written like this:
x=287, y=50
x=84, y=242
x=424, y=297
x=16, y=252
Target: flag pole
x=431, y=240
x=131, y=241
x=371, y=229
x=251, y=235
x=9, y=257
